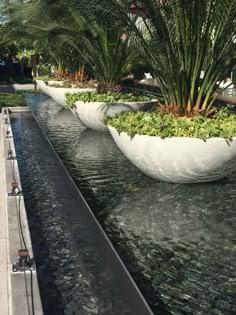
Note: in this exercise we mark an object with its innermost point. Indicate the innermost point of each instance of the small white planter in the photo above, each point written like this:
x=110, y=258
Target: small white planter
x=42, y=86
x=59, y=94
x=92, y=114
x=177, y=159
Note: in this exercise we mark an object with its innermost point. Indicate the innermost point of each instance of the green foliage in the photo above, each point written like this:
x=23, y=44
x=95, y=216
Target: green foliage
x=182, y=38
x=47, y=78
x=44, y=70
x=73, y=37
x=30, y=91
x=157, y=123
x=8, y=51
x=86, y=97
x=189, y=45
x=36, y=25
x=11, y=100
x=109, y=57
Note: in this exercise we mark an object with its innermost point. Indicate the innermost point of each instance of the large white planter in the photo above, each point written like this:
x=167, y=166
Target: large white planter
x=43, y=86
x=59, y=94
x=177, y=159
x=92, y=114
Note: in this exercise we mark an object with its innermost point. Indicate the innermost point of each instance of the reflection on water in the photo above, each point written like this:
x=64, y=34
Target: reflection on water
x=179, y=241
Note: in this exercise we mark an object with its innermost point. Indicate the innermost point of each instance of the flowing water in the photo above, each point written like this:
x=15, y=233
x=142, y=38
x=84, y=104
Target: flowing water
x=178, y=241
x=73, y=276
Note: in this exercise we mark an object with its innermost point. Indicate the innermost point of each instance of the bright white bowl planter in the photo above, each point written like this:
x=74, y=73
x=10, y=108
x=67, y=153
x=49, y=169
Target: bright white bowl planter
x=43, y=86
x=92, y=114
x=59, y=94
x=177, y=159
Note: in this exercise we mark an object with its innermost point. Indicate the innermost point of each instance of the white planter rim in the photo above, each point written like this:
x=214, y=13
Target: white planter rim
x=175, y=138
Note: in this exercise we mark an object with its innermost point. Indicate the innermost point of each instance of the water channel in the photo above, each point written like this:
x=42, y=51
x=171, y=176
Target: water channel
x=178, y=241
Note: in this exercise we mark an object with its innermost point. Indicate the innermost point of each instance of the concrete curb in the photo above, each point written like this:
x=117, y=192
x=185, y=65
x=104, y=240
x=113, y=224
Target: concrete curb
x=19, y=299
x=5, y=294
x=18, y=109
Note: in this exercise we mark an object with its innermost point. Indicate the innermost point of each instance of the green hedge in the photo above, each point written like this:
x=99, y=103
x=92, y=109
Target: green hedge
x=11, y=100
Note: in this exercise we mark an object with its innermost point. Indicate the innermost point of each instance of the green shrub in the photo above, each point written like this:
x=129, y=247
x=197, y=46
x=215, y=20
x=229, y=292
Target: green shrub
x=45, y=70
x=31, y=91
x=11, y=100
x=86, y=97
x=156, y=123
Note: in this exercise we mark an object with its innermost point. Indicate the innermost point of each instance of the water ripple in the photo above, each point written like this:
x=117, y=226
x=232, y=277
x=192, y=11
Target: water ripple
x=178, y=241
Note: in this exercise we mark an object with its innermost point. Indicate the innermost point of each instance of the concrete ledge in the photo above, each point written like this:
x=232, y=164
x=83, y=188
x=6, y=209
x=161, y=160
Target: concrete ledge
x=15, y=288
x=19, y=109
x=4, y=259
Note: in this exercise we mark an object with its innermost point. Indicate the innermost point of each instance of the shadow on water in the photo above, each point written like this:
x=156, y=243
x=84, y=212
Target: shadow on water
x=178, y=241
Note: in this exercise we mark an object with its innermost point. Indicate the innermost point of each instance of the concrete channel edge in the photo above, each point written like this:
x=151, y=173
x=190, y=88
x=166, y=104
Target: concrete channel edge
x=23, y=295
x=17, y=297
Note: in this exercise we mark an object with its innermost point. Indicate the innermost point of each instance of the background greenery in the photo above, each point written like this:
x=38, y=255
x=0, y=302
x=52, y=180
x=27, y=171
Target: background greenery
x=11, y=100
x=188, y=45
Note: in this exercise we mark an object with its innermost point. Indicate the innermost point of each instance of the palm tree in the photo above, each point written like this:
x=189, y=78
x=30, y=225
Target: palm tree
x=74, y=37
x=27, y=27
x=189, y=44
x=110, y=55
x=98, y=43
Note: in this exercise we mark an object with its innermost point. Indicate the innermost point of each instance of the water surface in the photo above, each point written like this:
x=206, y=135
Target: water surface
x=73, y=276
x=178, y=241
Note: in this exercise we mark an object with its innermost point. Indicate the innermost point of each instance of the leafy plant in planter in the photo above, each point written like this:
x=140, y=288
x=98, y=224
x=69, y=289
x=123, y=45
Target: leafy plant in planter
x=92, y=107
x=110, y=55
x=109, y=97
x=157, y=123
x=190, y=46
x=186, y=38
